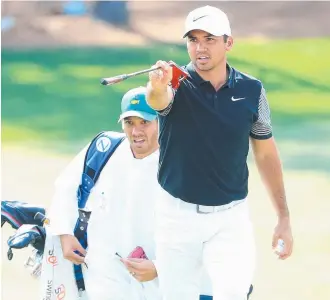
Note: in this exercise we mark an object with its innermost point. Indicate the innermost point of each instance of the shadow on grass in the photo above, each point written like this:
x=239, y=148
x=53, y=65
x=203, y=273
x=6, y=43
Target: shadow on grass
x=57, y=93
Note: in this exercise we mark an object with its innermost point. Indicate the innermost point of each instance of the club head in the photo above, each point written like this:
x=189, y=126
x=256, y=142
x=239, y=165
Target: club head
x=113, y=80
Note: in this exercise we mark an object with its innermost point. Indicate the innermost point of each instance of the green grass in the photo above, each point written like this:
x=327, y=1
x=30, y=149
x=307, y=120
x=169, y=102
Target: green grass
x=304, y=59
x=55, y=95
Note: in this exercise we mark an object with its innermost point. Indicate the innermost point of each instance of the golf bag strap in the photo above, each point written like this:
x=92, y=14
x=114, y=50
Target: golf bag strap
x=99, y=152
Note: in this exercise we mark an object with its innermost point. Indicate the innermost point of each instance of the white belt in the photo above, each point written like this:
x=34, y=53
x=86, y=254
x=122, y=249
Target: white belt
x=203, y=209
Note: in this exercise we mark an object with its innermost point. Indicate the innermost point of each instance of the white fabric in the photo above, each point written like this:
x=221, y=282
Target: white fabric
x=63, y=211
x=209, y=19
x=57, y=274
x=122, y=219
x=122, y=204
x=222, y=242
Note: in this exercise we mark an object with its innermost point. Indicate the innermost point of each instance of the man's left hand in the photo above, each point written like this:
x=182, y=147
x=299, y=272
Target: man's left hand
x=283, y=232
x=141, y=269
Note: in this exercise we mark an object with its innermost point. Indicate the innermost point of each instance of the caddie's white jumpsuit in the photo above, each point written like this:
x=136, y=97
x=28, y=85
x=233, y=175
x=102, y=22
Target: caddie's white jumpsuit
x=123, y=203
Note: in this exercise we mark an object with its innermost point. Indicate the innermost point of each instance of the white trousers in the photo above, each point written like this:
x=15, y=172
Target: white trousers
x=221, y=242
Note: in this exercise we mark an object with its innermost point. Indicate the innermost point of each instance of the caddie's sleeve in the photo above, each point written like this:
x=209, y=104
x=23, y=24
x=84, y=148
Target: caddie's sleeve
x=63, y=211
x=262, y=128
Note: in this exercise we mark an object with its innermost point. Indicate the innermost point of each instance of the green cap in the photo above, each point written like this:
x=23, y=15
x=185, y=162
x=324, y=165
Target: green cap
x=134, y=104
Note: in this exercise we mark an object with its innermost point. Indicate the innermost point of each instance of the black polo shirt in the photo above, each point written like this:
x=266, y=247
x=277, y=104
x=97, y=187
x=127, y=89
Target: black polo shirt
x=204, y=138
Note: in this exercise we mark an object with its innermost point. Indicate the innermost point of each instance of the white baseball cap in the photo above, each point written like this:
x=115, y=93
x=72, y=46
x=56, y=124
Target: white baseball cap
x=208, y=18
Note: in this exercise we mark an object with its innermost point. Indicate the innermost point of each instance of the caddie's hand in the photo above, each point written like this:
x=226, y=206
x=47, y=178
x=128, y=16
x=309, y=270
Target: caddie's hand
x=283, y=232
x=160, y=78
x=70, y=244
x=141, y=269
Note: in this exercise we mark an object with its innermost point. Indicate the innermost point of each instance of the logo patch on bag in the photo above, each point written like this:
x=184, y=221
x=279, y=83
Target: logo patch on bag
x=60, y=292
x=103, y=144
x=51, y=258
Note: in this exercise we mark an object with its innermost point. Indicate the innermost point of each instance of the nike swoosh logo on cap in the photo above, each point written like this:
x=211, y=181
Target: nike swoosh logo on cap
x=195, y=19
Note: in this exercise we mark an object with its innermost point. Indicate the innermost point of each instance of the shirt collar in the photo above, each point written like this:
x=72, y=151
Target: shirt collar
x=194, y=75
